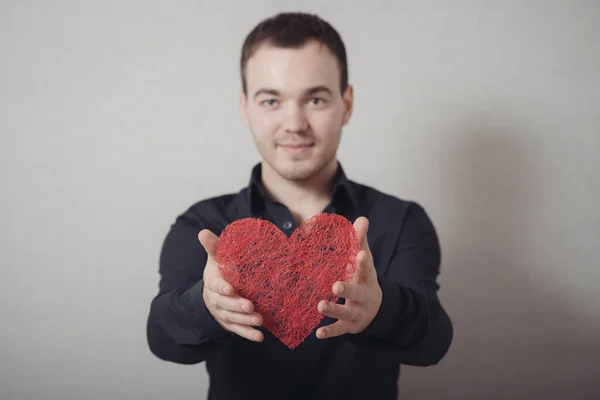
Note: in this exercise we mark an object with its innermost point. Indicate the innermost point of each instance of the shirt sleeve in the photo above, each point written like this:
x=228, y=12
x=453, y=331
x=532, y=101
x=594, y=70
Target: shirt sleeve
x=179, y=327
x=412, y=325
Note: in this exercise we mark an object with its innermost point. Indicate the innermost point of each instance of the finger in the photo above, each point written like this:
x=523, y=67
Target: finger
x=233, y=317
x=235, y=303
x=245, y=331
x=219, y=285
x=363, y=266
x=209, y=240
x=339, y=311
x=336, y=329
x=361, y=226
x=349, y=291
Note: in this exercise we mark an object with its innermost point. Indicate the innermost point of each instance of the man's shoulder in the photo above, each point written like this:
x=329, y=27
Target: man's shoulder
x=374, y=199
x=213, y=212
x=215, y=203
x=390, y=214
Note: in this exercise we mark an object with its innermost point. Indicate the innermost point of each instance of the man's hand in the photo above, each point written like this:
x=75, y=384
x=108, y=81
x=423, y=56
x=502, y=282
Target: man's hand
x=233, y=312
x=363, y=294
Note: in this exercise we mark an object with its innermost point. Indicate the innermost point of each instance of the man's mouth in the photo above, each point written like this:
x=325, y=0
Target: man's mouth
x=296, y=148
x=295, y=145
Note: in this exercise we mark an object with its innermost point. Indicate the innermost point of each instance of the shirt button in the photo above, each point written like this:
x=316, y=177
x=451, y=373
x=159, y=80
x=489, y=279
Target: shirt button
x=287, y=225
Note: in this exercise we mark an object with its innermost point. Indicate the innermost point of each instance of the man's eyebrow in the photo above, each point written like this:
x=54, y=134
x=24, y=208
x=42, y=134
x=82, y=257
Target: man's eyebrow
x=272, y=92
x=317, y=89
x=307, y=92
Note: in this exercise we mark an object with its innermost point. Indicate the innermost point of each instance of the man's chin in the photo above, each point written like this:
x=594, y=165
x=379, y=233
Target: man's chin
x=297, y=171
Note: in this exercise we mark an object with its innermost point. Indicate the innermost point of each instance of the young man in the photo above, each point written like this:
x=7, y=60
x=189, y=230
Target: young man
x=295, y=100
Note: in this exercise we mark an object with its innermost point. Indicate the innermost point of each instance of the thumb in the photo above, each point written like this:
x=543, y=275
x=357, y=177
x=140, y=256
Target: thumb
x=208, y=240
x=361, y=226
x=362, y=273
x=364, y=258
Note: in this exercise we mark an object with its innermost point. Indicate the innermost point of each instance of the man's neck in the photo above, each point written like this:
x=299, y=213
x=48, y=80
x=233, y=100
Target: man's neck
x=304, y=198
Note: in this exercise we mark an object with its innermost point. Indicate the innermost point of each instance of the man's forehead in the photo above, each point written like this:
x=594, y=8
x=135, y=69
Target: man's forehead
x=309, y=45
x=296, y=69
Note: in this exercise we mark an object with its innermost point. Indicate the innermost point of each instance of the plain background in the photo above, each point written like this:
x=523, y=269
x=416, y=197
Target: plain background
x=115, y=116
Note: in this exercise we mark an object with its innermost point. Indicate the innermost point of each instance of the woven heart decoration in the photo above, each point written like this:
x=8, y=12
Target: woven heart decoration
x=285, y=277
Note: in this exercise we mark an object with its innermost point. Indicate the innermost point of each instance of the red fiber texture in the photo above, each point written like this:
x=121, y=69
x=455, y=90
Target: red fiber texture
x=286, y=278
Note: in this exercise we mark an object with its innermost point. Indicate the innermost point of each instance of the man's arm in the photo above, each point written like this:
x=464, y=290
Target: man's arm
x=411, y=322
x=394, y=309
x=180, y=328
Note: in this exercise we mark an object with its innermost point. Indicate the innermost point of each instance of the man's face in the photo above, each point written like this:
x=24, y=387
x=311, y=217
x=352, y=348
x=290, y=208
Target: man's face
x=294, y=108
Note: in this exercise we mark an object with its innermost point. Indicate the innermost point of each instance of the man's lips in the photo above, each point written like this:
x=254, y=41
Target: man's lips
x=294, y=148
x=296, y=145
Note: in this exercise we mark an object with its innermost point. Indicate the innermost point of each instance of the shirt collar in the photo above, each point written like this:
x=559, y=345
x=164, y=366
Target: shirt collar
x=343, y=191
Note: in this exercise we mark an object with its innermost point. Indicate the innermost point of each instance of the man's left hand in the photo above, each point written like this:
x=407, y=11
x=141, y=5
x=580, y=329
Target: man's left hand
x=363, y=294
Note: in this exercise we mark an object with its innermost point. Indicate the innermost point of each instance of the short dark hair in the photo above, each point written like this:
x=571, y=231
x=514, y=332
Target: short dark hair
x=293, y=30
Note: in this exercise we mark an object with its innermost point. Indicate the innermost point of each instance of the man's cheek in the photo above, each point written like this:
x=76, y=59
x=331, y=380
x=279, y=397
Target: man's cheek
x=268, y=125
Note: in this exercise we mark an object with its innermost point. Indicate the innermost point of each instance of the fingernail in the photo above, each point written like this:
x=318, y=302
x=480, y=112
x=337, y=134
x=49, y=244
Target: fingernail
x=340, y=288
x=323, y=334
x=245, y=308
x=324, y=307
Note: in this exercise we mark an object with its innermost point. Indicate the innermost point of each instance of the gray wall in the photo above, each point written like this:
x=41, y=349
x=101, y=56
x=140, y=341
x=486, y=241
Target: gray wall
x=115, y=116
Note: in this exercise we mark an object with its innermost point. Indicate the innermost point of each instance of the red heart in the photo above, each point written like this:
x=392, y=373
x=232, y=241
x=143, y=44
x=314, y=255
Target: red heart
x=286, y=278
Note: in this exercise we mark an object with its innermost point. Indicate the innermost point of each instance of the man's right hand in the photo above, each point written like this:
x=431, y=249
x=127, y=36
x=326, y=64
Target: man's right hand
x=233, y=312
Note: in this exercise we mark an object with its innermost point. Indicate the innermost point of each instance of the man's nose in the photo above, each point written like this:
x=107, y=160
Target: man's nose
x=295, y=119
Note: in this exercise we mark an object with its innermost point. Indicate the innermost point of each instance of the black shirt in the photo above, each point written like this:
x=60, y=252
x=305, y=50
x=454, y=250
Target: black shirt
x=410, y=328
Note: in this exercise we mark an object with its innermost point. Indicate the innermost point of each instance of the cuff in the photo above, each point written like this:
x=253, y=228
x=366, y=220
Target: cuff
x=203, y=322
x=390, y=311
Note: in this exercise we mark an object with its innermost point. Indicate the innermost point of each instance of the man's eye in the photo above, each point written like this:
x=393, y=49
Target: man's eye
x=317, y=101
x=268, y=102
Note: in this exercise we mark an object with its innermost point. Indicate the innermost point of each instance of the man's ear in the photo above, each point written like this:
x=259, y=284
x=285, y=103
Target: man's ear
x=348, y=99
x=243, y=108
